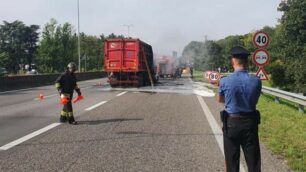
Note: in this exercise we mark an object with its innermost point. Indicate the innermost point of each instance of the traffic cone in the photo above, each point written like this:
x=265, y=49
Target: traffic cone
x=41, y=96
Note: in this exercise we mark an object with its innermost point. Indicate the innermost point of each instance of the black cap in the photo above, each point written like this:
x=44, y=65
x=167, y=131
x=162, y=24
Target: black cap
x=239, y=52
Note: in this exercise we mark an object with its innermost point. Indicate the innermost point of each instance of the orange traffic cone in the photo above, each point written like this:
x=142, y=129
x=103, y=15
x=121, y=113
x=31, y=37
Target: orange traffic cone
x=41, y=96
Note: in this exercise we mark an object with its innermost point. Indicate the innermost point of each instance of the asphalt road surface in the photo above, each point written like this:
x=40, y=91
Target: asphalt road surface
x=173, y=127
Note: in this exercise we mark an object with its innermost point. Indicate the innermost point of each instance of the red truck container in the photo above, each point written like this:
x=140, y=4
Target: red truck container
x=128, y=62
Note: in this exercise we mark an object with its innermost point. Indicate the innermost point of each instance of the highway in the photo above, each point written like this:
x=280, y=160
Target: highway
x=173, y=127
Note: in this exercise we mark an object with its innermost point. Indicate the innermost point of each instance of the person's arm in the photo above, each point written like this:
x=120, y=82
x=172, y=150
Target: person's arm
x=77, y=89
x=58, y=85
x=220, y=97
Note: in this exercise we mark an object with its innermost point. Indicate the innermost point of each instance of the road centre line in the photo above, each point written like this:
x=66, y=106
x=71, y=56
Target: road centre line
x=215, y=127
x=95, y=106
x=29, y=136
x=120, y=94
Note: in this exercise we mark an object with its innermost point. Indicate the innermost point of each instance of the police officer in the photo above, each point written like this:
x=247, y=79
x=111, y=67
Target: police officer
x=240, y=93
x=66, y=84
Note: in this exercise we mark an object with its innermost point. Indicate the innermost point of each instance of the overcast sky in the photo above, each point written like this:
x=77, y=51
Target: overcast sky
x=165, y=24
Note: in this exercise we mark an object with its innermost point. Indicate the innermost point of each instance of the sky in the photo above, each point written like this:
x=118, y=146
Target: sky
x=167, y=25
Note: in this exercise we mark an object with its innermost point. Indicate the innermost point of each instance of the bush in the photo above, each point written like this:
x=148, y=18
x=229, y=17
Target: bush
x=278, y=71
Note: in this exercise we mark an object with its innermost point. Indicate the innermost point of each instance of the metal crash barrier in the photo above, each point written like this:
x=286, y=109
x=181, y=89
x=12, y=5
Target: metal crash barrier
x=296, y=98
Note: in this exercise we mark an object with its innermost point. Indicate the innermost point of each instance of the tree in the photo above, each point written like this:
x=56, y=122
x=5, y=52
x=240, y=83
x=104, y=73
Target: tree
x=293, y=38
x=57, y=48
x=204, y=56
x=19, y=43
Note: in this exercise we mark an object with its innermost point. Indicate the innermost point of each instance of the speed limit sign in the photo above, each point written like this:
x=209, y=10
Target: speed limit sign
x=206, y=75
x=261, y=57
x=261, y=39
x=214, y=76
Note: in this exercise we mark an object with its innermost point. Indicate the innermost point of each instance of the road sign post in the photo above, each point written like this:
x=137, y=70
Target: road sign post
x=261, y=73
x=261, y=39
x=214, y=76
x=261, y=56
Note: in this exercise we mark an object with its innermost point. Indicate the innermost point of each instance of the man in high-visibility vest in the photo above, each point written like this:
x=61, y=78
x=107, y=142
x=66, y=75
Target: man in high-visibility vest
x=66, y=84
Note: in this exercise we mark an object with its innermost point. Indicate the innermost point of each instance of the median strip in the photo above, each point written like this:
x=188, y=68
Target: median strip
x=29, y=136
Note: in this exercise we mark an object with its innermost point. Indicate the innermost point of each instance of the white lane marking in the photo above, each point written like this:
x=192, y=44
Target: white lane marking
x=96, y=105
x=52, y=95
x=29, y=136
x=215, y=127
x=85, y=88
x=120, y=94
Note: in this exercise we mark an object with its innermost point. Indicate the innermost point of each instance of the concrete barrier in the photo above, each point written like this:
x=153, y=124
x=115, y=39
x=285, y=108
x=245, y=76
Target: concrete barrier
x=21, y=82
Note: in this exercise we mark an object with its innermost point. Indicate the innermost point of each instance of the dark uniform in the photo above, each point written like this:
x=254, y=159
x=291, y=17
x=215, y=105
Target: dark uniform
x=241, y=92
x=66, y=84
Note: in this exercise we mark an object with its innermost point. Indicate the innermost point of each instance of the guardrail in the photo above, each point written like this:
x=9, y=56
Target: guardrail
x=29, y=81
x=296, y=98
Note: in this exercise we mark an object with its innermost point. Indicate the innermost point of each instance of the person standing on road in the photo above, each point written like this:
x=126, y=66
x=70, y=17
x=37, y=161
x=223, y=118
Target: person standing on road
x=66, y=84
x=240, y=93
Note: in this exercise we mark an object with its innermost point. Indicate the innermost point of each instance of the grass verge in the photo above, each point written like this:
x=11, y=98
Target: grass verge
x=283, y=131
x=198, y=76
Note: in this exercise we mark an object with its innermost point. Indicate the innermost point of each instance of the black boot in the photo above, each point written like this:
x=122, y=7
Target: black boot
x=63, y=119
x=72, y=121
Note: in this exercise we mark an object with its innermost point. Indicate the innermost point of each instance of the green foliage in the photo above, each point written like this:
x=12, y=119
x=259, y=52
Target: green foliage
x=3, y=59
x=282, y=130
x=57, y=48
x=278, y=71
x=92, y=51
x=18, y=44
x=293, y=41
x=204, y=56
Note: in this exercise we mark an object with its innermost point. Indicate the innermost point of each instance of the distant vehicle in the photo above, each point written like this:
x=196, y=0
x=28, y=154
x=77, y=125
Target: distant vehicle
x=3, y=72
x=166, y=67
x=32, y=72
x=128, y=62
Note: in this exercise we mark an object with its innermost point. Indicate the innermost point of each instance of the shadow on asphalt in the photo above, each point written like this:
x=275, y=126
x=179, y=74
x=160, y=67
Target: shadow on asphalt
x=97, y=122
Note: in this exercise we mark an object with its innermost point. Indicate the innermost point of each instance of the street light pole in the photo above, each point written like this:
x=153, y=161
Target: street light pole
x=79, y=44
x=128, y=27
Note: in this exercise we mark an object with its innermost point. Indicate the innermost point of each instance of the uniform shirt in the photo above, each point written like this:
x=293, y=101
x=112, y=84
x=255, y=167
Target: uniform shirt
x=240, y=91
x=66, y=83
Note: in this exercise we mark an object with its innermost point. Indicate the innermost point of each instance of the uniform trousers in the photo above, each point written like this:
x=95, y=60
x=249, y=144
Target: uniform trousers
x=242, y=132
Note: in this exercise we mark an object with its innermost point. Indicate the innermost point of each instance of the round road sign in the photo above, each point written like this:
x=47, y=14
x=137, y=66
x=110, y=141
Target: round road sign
x=214, y=76
x=261, y=57
x=207, y=73
x=261, y=39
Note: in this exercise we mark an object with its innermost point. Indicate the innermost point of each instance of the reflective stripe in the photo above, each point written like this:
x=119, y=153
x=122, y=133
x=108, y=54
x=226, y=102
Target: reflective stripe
x=67, y=95
x=57, y=85
x=63, y=113
x=69, y=114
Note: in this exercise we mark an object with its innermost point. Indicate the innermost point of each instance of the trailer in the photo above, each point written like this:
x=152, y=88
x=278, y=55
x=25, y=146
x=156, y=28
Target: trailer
x=129, y=62
x=165, y=67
